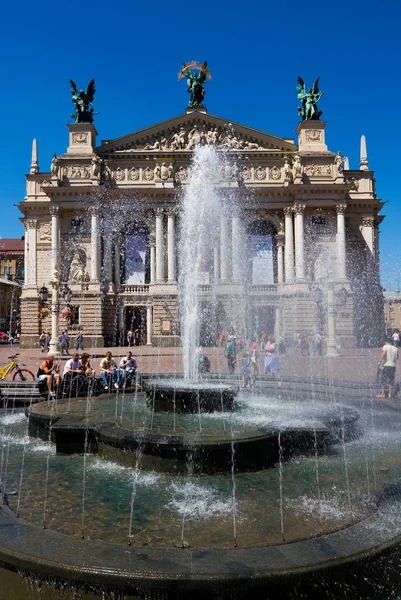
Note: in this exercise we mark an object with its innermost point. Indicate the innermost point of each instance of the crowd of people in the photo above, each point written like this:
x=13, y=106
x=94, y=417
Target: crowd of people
x=78, y=373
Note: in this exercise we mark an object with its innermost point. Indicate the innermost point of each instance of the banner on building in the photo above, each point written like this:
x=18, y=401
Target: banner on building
x=262, y=259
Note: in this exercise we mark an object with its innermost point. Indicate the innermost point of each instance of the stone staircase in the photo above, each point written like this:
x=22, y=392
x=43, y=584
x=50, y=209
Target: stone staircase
x=20, y=393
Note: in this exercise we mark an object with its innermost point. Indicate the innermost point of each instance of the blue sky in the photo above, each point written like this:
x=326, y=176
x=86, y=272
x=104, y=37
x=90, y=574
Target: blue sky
x=255, y=52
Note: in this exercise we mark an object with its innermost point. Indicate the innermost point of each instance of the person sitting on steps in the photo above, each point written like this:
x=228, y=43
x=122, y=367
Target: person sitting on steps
x=48, y=372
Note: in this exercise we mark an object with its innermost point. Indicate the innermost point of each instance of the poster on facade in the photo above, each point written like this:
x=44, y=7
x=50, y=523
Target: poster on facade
x=262, y=259
x=135, y=259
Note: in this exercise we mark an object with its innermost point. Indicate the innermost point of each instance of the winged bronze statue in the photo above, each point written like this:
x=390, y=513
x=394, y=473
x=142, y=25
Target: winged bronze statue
x=195, y=81
x=84, y=111
x=309, y=100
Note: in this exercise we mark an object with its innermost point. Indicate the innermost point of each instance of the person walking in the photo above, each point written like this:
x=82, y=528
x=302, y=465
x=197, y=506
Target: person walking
x=231, y=354
x=130, y=337
x=42, y=342
x=396, y=338
x=318, y=344
x=388, y=358
x=64, y=343
x=79, y=341
x=271, y=362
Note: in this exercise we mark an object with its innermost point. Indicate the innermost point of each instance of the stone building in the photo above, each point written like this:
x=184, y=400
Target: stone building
x=12, y=258
x=105, y=222
x=392, y=310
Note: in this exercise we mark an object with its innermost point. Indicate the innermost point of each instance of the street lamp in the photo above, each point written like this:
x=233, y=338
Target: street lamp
x=43, y=294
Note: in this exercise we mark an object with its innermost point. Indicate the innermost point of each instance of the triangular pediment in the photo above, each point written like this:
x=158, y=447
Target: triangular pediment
x=183, y=132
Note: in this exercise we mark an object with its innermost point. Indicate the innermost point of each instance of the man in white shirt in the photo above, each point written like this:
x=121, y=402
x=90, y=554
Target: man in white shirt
x=396, y=339
x=128, y=367
x=72, y=368
x=388, y=358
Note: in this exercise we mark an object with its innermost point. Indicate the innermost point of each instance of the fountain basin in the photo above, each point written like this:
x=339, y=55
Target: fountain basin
x=181, y=396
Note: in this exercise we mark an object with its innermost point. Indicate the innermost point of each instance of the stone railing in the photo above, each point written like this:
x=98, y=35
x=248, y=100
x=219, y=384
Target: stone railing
x=263, y=288
x=128, y=288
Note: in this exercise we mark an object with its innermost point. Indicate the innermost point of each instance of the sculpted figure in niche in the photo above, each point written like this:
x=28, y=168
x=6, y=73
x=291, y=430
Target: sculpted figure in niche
x=54, y=167
x=296, y=165
x=339, y=162
x=96, y=166
x=164, y=171
x=157, y=171
x=76, y=266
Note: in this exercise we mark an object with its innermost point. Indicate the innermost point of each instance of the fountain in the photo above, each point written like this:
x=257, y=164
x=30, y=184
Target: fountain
x=198, y=485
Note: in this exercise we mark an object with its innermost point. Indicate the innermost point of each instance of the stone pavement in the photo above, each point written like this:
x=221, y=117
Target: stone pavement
x=357, y=364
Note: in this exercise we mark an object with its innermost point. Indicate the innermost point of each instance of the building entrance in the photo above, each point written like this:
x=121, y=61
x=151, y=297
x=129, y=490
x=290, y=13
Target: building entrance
x=135, y=320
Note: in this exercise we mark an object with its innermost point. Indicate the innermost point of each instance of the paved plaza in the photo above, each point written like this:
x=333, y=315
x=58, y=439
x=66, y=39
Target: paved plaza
x=357, y=364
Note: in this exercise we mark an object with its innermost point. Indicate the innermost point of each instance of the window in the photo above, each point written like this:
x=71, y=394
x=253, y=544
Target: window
x=392, y=309
x=392, y=322
x=318, y=221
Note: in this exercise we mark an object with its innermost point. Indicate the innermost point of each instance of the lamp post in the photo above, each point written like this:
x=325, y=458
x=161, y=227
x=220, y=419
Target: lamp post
x=55, y=308
x=11, y=311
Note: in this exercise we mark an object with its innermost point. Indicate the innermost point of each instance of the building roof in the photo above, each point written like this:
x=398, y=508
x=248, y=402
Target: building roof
x=10, y=283
x=392, y=296
x=12, y=245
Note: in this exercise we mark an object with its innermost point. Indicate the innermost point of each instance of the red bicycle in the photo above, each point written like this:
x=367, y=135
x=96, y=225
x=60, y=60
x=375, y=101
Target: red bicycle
x=13, y=367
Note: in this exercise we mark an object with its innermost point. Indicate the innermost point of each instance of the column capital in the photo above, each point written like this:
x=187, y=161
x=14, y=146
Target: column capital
x=299, y=209
x=288, y=210
x=368, y=221
x=54, y=210
x=25, y=224
x=171, y=211
x=94, y=211
x=341, y=208
x=32, y=223
x=159, y=212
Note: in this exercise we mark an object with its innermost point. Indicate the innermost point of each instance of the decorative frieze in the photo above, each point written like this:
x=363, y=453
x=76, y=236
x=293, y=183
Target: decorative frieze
x=133, y=174
x=317, y=170
x=274, y=173
x=80, y=137
x=77, y=172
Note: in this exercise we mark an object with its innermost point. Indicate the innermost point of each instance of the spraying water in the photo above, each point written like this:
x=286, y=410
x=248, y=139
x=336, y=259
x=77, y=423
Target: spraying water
x=203, y=210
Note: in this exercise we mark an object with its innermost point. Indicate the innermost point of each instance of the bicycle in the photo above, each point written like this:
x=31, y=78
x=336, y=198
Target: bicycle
x=20, y=374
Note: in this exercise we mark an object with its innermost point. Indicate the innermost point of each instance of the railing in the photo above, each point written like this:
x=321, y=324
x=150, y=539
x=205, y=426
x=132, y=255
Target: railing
x=264, y=288
x=202, y=288
x=134, y=289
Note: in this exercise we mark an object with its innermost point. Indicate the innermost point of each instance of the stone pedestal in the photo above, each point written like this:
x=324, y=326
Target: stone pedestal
x=82, y=139
x=311, y=136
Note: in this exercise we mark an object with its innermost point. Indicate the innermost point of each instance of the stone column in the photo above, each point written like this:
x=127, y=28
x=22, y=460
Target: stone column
x=152, y=257
x=368, y=233
x=95, y=245
x=289, y=246
x=117, y=261
x=277, y=324
x=280, y=258
x=26, y=254
x=32, y=225
x=341, y=245
x=171, y=246
x=107, y=263
x=216, y=263
x=224, y=240
x=331, y=323
x=149, y=328
x=299, y=242
x=236, y=247
x=55, y=213
x=159, y=245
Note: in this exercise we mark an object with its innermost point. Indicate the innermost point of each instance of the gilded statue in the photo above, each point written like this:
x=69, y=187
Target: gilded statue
x=309, y=100
x=84, y=111
x=195, y=82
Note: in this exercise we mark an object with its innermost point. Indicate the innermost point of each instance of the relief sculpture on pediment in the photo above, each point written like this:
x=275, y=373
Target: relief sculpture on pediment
x=186, y=138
